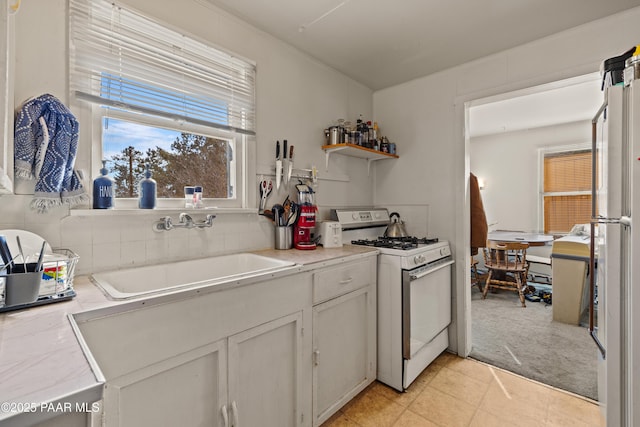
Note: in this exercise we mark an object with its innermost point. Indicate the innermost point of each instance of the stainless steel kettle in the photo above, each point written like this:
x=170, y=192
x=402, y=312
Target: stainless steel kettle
x=396, y=226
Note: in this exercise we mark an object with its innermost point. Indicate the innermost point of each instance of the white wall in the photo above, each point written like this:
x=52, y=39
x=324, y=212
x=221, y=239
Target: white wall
x=509, y=165
x=6, y=92
x=426, y=118
x=297, y=97
x=4, y=76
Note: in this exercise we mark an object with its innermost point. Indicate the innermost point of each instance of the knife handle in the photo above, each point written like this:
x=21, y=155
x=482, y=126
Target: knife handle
x=7, y=258
x=291, y=152
x=284, y=149
x=277, y=149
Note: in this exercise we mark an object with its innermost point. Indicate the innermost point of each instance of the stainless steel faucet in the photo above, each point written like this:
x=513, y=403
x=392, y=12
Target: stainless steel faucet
x=186, y=220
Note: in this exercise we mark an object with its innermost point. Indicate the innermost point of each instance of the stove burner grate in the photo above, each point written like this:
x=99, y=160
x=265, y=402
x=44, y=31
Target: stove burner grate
x=402, y=243
x=411, y=239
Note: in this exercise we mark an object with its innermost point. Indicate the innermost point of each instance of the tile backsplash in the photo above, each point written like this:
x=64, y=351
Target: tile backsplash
x=106, y=241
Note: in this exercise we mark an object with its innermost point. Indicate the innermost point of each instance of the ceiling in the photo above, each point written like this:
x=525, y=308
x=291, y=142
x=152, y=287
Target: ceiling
x=566, y=103
x=381, y=43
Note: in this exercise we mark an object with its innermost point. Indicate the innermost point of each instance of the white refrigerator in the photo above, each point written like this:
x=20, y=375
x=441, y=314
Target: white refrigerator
x=615, y=315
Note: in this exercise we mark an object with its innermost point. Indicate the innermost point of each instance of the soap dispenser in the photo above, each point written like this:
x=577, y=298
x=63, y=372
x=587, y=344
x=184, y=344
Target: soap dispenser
x=147, y=191
x=103, y=197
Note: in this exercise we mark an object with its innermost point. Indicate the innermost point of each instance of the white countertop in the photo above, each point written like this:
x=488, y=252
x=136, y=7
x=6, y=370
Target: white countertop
x=40, y=358
x=320, y=255
x=42, y=362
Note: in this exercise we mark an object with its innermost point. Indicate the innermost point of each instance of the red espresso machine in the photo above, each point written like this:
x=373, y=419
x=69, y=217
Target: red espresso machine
x=306, y=222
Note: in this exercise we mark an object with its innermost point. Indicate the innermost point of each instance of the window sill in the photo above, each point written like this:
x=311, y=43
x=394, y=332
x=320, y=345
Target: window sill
x=158, y=211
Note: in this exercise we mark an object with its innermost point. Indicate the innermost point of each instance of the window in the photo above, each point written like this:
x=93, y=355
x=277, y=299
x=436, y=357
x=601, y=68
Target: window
x=566, y=190
x=176, y=157
x=163, y=100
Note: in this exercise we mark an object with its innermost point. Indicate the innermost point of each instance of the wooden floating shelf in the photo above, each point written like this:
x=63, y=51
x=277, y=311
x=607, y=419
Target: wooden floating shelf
x=356, y=151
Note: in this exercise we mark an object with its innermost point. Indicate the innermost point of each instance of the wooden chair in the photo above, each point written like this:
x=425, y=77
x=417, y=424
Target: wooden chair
x=507, y=267
x=475, y=277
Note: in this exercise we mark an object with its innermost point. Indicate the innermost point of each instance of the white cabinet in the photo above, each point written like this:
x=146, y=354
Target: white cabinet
x=286, y=352
x=265, y=374
x=232, y=358
x=344, y=335
x=188, y=389
x=192, y=389
x=70, y=419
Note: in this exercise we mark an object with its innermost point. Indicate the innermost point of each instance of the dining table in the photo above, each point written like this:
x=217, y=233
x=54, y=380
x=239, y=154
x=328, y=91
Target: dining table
x=533, y=239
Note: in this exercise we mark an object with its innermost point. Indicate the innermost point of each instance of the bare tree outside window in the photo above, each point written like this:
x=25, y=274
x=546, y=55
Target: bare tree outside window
x=191, y=159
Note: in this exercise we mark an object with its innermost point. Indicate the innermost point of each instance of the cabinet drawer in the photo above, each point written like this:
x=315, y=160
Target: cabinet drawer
x=340, y=280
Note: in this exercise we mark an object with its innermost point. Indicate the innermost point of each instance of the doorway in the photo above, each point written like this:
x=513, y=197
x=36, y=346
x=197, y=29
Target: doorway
x=508, y=135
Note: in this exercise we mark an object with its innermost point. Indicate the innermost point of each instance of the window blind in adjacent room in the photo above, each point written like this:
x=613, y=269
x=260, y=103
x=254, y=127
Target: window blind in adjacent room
x=567, y=190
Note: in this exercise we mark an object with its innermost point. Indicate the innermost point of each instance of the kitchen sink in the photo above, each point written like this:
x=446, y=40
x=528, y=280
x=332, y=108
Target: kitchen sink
x=154, y=279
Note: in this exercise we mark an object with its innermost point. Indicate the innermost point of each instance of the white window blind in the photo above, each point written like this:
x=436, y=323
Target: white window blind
x=121, y=59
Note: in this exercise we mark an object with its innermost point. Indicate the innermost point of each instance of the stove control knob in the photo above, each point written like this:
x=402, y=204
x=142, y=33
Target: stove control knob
x=444, y=251
x=354, y=215
x=419, y=259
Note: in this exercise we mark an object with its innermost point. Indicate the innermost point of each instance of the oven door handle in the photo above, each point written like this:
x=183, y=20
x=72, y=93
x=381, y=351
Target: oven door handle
x=429, y=271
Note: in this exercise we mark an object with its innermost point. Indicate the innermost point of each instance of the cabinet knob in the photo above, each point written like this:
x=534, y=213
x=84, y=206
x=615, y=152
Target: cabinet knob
x=225, y=417
x=234, y=412
x=316, y=355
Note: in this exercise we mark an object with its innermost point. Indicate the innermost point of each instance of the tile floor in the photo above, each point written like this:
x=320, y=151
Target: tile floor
x=454, y=391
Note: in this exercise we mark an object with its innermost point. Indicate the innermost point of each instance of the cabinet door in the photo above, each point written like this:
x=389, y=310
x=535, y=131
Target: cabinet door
x=344, y=345
x=265, y=374
x=186, y=390
x=71, y=419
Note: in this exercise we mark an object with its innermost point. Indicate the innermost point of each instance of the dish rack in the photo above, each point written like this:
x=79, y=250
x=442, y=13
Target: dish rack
x=56, y=283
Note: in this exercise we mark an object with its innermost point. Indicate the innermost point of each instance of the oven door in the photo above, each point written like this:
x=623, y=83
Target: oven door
x=426, y=306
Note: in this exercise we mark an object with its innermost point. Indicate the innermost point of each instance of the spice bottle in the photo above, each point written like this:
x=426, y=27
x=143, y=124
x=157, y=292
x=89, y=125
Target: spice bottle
x=189, y=192
x=197, y=196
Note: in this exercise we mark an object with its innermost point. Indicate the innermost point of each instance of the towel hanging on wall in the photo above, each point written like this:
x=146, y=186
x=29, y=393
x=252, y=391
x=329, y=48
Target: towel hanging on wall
x=46, y=141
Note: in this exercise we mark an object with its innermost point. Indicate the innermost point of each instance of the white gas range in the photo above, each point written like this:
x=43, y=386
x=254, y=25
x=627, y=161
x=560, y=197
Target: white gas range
x=414, y=294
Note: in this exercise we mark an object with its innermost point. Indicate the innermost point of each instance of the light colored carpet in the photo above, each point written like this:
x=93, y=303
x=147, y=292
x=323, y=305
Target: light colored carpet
x=528, y=342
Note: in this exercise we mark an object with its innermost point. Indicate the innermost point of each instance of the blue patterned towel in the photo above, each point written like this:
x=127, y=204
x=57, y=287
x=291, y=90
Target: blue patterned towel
x=46, y=141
